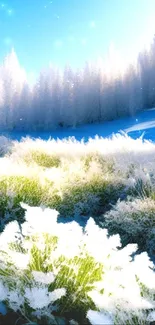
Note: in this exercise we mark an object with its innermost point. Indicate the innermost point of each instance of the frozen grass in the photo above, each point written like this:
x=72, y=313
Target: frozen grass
x=120, y=150
x=74, y=177
x=77, y=178
x=84, y=272
x=79, y=182
x=51, y=272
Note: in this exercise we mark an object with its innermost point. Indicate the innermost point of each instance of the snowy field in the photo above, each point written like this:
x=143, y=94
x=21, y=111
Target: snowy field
x=141, y=124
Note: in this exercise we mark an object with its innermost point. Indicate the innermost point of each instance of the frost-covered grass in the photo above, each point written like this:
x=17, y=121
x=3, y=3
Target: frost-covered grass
x=71, y=192
x=76, y=178
x=79, y=182
x=51, y=271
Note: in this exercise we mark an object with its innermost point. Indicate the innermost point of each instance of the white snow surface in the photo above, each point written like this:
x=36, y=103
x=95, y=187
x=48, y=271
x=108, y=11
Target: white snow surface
x=142, y=124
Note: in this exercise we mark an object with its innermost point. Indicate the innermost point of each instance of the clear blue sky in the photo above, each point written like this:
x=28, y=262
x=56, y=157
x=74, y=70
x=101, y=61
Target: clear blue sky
x=72, y=31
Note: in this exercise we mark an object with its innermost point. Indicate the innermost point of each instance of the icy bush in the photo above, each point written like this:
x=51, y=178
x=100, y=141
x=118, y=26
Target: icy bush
x=134, y=220
x=141, y=182
x=124, y=304
x=51, y=271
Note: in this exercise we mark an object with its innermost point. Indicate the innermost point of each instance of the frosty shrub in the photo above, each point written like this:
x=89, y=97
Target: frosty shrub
x=53, y=273
x=141, y=182
x=121, y=300
x=134, y=220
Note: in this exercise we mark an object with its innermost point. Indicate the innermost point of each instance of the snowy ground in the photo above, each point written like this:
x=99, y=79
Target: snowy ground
x=142, y=123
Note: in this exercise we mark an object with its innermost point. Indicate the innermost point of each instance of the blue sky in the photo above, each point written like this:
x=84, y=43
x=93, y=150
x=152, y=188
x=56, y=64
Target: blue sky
x=73, y=31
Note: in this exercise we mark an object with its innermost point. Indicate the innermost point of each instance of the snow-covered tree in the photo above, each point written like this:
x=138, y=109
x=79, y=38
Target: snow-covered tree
x=102, y=90
x=67, y=109
x=12, y=78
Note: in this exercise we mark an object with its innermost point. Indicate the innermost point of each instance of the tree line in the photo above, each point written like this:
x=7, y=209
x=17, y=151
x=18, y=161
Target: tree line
x=70, y=98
